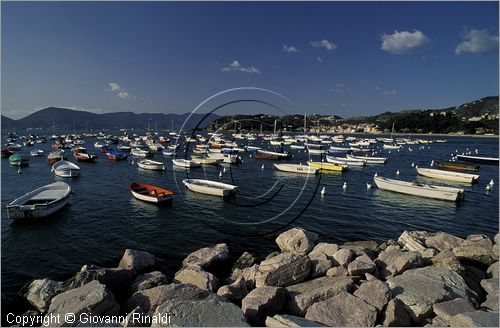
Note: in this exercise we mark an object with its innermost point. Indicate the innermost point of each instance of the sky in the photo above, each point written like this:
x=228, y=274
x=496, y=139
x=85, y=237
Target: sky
x=342, y=58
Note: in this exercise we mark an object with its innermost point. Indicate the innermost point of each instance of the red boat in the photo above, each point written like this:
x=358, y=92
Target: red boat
x=84, y=157
x=7, y=152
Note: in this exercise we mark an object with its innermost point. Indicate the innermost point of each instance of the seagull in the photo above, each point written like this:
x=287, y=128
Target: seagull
x=477, y=151
x=376, y=175
x=344, y=186
x=220, y=174
x=491, y=183
x=132, y=162
x=432, y=163
x=262, y=167
x=397, y=172
x=323, y=191
x=224, y=170
x=19, y=171
x=488, y=187
x=412, y=164
x=368, y=185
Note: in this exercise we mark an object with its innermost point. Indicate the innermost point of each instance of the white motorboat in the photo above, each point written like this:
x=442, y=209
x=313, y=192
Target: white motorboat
x=209, y=187
x=369, y=160
x=419, y=189
x=299, y=147
x=40, y=202
x=226, y=158
x=206, y=160
x=392, y=146
x=140, y=152
x=296, y=168
x=184, y=163
x=345, y=161
x=36, y=152
x=315, y=151
x=124, y=148
x=448, y=175
x=65, y=169
x=148, y=164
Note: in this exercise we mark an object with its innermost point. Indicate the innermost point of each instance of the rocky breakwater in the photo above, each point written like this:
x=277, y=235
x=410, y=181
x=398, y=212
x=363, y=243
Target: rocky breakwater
x=421, y=279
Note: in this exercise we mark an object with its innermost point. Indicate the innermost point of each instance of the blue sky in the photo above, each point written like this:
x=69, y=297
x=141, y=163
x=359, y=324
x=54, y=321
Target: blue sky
x=343, y=58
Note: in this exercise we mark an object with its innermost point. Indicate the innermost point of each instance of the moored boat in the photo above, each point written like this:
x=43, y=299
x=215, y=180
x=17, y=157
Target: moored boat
x=457, y=166
x=296, y=168
x=206, y=160
x=369, y=160
x=7, y=152
x=180, y=162
x=271, y=155
x=209, y=187
x=149, y=193
x=448, y=175
x=116, y=155
x=478, y=159
x=85, y=157
x=148, y=164
x=169, y=152
x=36, y=152
x=324, y=166
x=345, y=161
x=40, y=202
x=65, y=169
x=392, y=146
x=140, y=152
x=55, y=156
x=19, y=160
x=419, y=189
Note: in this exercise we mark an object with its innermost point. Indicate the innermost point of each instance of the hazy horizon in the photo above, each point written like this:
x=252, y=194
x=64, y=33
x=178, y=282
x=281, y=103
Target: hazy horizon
x=330, y=58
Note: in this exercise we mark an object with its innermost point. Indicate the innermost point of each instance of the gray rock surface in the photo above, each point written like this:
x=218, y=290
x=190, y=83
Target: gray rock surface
x=94, y=298
x=395, y=314
x=414, y=240
x=320, y=264
x=148, y=280
x=235, y=291
x=40, y=292
x=328, y=249
x=302, y=296
x=262, y=302
x=394, y=261
x=134, y=318
x=201, y=313
x=138, y=261
x=339, y=271
x=375, y=293
x=195, y=275
x=475, y=319
x=448, y=309
x=344, y=310
x=246, y=260
x=446, y=259
x=443, y=241
x=206, y=256
x=247, y=274
x=283, y=270
x=343, y=257
x=297, y=240
x=361, y=265
x=475, y=252
x=286, y=320
x=493, y=270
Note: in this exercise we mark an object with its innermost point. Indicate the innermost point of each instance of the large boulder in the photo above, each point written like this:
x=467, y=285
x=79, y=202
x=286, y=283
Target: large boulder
x=235, y=291
x=493, y=270
x=443, y=241
x=394, y=261
x=148, y=280
x=286, y=320
x=149, y=299
x=338, y=271
x=414, y=240
x=475, y=252
x=343, y=257
x=246, y=260
x=344, y=310
x=448, y=309
x=395, y=314
x=93, y=298
x=446, y=259
x=475, y=319
x=361, y=265
x=40, y=292
x=205, y=257
x=325, y=248
x=320, y=264
x=262, y=302
x=297, y=240
x=303, y=295
x=419, y=289
x=375, y=293
x=247, y=274
x=200, y=313
x=195, y=275
x=283, y=270
x=362, y=247
x=137, y=261
x=491, y=288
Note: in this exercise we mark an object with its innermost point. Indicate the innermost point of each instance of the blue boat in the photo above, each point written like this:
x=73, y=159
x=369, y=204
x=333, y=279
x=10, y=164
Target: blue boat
x=116, y=155
x=252, y=148
x=169, y=152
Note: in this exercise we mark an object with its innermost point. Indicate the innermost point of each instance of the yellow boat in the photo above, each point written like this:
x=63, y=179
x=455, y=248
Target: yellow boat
x=328, y=166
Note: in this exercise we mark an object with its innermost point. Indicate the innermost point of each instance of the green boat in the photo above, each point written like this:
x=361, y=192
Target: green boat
x=19, y=160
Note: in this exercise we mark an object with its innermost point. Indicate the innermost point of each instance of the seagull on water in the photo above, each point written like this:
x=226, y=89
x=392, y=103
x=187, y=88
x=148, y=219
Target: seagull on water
x=262, y=167
x=19, y=171
x=432, y=163
x=376, y=174
x=323, y=192
x=397, y=172
x=488, y=187
x=220, y=174
x=224, y=170
x=344, y=186
x=368, y=185
x=491, y=183
x=412, y=164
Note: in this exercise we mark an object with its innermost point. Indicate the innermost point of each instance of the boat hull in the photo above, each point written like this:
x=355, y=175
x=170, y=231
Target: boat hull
x=448, y=176
x=210, y=187
x=294, y=168
x=328, y=166
x=477, y=159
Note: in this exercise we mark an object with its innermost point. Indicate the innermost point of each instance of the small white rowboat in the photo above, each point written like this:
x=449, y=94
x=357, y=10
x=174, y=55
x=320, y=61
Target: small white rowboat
x=65, y=169
x=295, y=168
x=448, y=175
x=209, y=187
x=148, y=164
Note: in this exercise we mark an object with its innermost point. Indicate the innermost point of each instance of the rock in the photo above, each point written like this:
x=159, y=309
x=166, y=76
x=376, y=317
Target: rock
x=234, y=292
x=394, y=261
x=479, y=240
x=149, y=299
x=205, y=257
x=137, y=261
x=413, y=241
x=201, y=313
x=491, y=288
x=303, y=295
x=448, y=309
x=40, y=292
x=286, y=320
x=247, y=274
x=446, y=259
x=362, y=247
x=420, y=288
x=116, y=279
x=395, y=314
x=343, y=257
x=493, y=270
x=438, y=322
x=337, y=272
x=272, y=254
x=344, y=310
x=195, y=275
x=361, y=265
x=297, y=240
x=246, y=260
x=490, y=285
x=375, y=293
x=491, y=303
x=93, y=298
x=283, y=270
x=473, y=277
x=320, y=264
x=443, y=241
x=325, y=248
x=475, y=319
x=496, y=238
x=148, y=280
x=134, y=318
x=262, y=302
x=475, y=253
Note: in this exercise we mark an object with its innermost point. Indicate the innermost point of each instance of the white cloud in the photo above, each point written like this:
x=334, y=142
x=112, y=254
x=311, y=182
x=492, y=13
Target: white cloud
x=324, y=44
x=477, y=42
x=289, y=49
x=319, y=59
x=236, y=67
x=403, y=42
x=119, y=91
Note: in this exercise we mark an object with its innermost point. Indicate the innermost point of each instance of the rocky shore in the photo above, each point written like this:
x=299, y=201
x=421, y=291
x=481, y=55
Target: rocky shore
x=420, y=279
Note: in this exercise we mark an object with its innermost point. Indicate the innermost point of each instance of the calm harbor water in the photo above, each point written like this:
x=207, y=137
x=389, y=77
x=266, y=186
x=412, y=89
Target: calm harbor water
x=103, y=218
